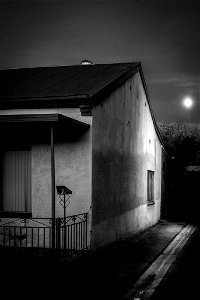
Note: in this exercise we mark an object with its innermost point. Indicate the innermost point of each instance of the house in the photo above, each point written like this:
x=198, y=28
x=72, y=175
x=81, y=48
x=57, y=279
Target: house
x=89, y=128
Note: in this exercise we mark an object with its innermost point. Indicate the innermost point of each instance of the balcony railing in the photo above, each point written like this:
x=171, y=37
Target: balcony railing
x=37, y=234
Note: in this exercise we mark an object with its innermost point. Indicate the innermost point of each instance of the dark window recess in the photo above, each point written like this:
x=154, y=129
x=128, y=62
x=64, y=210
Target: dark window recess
x=150, y=187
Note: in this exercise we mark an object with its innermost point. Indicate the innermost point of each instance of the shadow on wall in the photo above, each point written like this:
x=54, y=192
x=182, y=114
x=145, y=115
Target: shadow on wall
x=119, y=184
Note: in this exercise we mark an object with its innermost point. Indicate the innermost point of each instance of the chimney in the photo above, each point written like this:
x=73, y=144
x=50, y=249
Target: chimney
x=86, y=62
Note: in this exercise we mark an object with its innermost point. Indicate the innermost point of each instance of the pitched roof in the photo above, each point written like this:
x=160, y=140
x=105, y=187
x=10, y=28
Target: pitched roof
x=63, y=81
x=64, y=86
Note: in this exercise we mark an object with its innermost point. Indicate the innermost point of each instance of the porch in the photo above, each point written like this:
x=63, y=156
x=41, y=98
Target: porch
x=31, y=218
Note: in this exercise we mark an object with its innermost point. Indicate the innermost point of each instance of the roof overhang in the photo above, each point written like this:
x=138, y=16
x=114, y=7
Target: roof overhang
x=29, y=127
x=42, y=118
x=44, y=102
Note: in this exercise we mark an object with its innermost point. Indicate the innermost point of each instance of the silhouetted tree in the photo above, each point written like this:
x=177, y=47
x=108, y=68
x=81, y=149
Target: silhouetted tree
x=182, y=141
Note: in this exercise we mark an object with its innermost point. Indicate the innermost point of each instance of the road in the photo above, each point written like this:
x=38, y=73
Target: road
x=182, y=281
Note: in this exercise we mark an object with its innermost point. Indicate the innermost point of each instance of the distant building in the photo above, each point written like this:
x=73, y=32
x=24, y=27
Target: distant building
x=191, y=190
x=87, y=127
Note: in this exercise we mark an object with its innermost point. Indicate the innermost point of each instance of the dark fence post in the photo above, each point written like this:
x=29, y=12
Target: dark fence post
x=86, y=229
x=53, y=188
x=74, y=233
x=58, y=234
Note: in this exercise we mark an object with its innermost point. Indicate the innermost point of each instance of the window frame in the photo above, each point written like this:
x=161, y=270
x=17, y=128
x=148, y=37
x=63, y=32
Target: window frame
x=150, y=187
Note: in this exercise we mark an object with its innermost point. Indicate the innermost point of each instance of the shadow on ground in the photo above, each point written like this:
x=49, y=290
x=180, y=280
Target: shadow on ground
x=105, y=274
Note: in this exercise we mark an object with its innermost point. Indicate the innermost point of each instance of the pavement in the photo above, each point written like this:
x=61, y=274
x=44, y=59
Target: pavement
x=111, y=272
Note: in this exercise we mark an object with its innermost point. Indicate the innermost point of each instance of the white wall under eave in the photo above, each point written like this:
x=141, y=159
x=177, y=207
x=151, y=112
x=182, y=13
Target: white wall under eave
x=72, y=169
x=41, y=181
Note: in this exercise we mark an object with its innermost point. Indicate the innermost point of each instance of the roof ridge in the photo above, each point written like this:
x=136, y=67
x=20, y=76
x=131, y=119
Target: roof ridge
x=66, y=66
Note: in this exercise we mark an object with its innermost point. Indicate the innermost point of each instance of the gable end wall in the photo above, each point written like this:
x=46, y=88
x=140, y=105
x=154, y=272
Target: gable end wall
x=125, y=146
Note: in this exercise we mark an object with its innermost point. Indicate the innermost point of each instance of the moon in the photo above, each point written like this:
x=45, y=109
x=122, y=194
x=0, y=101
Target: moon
x=188, y=102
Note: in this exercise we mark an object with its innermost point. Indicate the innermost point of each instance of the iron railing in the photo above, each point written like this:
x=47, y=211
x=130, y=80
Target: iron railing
x=71, y=234
x=36, y=234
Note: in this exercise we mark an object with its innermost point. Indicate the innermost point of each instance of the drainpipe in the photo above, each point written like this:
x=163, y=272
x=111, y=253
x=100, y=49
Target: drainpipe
x=53, y=186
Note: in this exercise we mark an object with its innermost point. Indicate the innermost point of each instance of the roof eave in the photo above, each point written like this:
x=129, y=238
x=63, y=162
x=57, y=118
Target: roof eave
x=42, y=118
x=73, y=101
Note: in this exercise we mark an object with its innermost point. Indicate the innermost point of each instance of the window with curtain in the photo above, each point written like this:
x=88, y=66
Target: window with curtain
x=15, y=180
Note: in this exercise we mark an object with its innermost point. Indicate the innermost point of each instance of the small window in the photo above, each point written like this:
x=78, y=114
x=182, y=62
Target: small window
x=150, y=187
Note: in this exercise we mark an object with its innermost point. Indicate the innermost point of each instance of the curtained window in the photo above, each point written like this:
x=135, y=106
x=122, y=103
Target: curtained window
x=16, y=180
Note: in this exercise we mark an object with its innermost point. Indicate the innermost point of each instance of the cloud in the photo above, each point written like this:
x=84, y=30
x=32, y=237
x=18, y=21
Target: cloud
x=178, y=80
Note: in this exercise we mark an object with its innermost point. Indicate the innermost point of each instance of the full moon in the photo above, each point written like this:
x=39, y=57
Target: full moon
x=187, y=102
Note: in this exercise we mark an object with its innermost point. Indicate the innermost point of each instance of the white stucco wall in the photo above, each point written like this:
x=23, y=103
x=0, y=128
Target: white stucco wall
x=125, y=224
x=72, y=169
x=125, y=146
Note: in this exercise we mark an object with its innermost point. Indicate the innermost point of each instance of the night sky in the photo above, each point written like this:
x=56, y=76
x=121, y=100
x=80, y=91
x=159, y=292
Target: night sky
x=163, y=35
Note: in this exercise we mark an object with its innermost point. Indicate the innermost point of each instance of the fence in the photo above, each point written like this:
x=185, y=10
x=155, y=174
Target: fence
x=42, y=236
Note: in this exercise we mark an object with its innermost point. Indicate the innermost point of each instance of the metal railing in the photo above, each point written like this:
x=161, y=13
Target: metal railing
x=71, y=234
x=35, y=234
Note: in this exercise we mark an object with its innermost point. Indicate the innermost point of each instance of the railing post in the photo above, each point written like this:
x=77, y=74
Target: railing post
x=53, y=187
x=64, y=224
x=74, y=233
x=58, y=234
x=86, y=229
